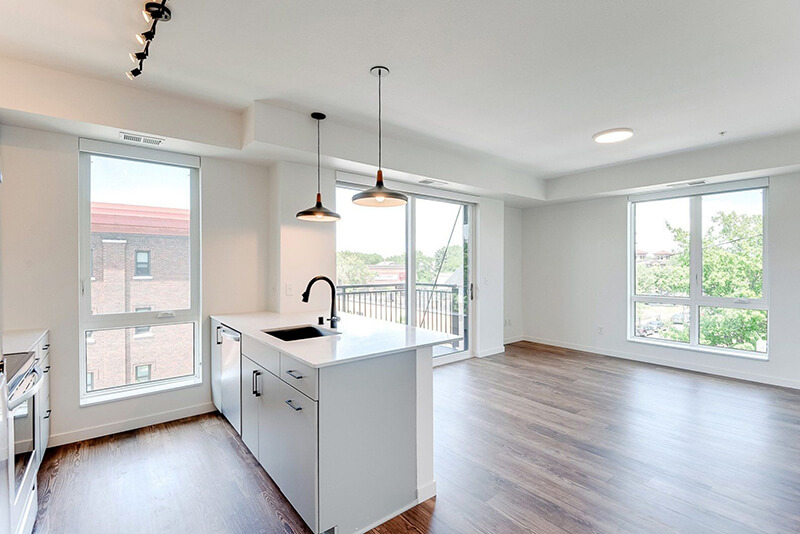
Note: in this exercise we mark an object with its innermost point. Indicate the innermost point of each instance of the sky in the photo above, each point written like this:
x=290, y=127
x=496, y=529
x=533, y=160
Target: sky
x=651, y=231
x=124, y=181
x=382, y=230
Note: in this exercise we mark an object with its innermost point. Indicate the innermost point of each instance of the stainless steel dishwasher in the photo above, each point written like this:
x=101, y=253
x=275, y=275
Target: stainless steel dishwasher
x=230, y=376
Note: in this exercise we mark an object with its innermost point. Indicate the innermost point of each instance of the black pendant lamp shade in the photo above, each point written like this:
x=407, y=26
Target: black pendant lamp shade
x=318, y=212
x=379, y=196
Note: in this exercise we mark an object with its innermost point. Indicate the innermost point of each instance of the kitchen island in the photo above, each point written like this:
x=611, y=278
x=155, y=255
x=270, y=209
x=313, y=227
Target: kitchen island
x=343, y=422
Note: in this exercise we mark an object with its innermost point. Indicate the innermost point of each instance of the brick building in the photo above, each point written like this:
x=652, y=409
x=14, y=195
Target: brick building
x=140, y=263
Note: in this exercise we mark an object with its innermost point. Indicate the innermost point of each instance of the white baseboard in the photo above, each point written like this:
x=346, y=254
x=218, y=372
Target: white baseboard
x=513, y=339
x=128, y=424
x=451, y=358
x=490, y=352
x=717, y=371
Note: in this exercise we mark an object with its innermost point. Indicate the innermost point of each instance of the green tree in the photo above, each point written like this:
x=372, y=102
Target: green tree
x=732, y=267
x=352, y=267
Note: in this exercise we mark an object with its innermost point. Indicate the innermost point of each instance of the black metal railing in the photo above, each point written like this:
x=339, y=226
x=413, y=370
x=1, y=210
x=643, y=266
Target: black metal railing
x=437, y=305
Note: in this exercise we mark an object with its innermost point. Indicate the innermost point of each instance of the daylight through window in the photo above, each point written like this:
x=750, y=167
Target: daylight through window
x=698, y=270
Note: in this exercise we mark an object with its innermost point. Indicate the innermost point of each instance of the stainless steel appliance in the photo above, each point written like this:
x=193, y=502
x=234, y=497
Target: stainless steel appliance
x=230, y=376
x=24, y=382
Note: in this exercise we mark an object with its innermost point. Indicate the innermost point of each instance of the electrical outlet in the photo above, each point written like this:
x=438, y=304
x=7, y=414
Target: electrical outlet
x=601, y=330
x=289, y=290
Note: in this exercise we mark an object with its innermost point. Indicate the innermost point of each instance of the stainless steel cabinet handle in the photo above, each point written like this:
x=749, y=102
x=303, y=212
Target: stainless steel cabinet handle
x=294, y=374
x=257, y=392
x=293, y=407
x=46, y=347
x=47, y=369
x=47, y=415
x=219, y=339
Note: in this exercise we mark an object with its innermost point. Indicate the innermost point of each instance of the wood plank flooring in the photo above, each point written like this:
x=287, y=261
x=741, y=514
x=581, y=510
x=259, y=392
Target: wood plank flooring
x=538, y=439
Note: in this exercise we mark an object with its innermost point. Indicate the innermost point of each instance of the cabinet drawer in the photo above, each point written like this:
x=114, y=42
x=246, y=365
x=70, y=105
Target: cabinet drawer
x=299, y=375
x=266, y=357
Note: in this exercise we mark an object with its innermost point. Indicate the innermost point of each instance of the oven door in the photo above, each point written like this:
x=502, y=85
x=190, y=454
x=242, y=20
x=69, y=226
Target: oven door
x=22, y=409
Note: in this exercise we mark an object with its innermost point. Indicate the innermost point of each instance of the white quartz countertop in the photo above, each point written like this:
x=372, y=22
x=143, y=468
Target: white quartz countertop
x=15, y=341
x=358, y=338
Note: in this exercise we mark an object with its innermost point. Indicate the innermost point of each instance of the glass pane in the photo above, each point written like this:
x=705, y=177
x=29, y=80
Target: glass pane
x=119, y=356
x=734, y=328
x=442, y=270
x=370, y=259
x=139, y=236
x=662, y=247
x=663, y=321
x=733, y=244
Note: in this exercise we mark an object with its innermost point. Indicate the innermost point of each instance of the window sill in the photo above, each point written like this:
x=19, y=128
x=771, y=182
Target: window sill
x=142, y=277
x=138, y=390
x=707, y=350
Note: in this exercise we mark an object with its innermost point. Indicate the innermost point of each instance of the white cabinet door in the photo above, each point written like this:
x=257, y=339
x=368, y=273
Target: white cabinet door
x=252, y=375
x=216, y=363
x=270, y=434
x=297, y=451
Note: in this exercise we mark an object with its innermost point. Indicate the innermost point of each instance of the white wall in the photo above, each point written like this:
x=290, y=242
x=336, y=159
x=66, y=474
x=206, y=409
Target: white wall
x=40, y=267
x=307, y=249
x=512, y=276
x=575, y=264
x=489, y=285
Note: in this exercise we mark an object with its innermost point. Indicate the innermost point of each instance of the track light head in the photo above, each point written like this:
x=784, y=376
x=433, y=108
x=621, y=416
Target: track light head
x=137, y=57
x=144, y=38
x=133, y=73
x=156, y=11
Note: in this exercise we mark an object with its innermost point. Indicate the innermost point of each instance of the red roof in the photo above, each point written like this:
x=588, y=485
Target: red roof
x=131, y=219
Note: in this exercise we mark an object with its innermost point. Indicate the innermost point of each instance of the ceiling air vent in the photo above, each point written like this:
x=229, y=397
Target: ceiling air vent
x=141, y=139
x=687, y=184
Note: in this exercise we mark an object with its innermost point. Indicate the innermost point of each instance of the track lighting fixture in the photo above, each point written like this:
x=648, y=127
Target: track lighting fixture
x=137, y=57
x=153, y=12
x=134, y=73
x=146, y=37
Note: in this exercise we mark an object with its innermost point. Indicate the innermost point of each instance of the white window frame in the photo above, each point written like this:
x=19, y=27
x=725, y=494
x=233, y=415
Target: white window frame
x=696, y=299
x=89, y=322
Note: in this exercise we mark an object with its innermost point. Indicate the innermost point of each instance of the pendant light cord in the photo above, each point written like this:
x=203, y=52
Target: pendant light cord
x=380, y=127
x=319, y=188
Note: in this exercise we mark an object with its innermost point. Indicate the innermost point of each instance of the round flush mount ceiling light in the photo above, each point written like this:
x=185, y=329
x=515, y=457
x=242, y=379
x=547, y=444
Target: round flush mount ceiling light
x=614, y=135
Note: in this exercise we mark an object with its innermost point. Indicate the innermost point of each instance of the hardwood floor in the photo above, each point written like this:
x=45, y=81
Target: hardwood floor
x=538, y=439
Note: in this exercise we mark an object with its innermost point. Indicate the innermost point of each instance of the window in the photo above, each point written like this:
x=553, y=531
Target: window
x=142, y=263
x=698, y=269
x=142, y=331
x=142, y=373
x=137, y=204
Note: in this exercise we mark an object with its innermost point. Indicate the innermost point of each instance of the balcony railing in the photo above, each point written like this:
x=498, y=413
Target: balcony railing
x=439, y=306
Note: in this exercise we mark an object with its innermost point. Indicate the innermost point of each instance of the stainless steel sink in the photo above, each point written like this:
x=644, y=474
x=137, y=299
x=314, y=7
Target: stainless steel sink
x=296, y=333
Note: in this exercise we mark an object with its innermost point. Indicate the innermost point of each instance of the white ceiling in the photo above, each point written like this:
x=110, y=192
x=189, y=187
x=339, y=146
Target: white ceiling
x=528, y=81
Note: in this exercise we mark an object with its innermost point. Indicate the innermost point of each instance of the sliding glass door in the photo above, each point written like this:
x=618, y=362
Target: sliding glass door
x=408, y=265
x=442, y=274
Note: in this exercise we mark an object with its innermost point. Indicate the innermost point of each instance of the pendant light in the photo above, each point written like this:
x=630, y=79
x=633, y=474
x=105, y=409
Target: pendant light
x=379, y=196
x=318, y=212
